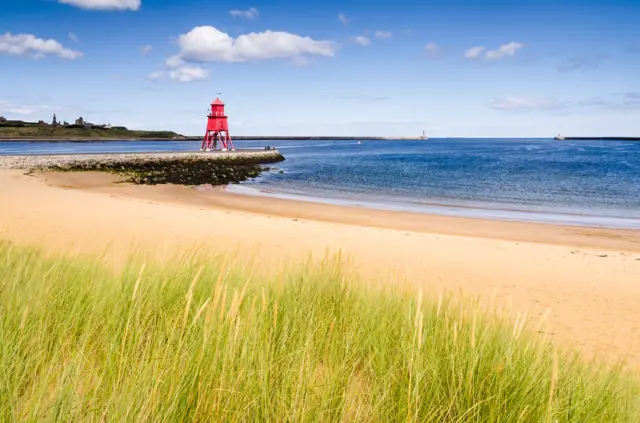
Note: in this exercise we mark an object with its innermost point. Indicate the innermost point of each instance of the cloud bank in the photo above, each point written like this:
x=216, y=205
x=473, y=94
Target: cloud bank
x=22, y=109
x=31, y=46
x=104, y=4
x=580, y=64
x=505, y=50
x=618, y=101
x=432, y=50
x=208, y=44
x=363, y=41
x=188, y=74
x=383, y=34
x=252, y=13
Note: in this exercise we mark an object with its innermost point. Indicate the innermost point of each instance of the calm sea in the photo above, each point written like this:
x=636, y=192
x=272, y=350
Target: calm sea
x=594, y=183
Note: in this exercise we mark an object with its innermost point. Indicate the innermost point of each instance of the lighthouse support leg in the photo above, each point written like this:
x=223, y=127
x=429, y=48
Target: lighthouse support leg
x=214, y=141
x=223, y=141
x=208, y=148
x=204, y=141
x=230, y=143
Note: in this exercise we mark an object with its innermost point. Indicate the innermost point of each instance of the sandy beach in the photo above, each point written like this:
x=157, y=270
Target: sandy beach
x=589, y=278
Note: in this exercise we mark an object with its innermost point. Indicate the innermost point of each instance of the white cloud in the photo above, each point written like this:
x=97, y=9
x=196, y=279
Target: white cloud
x=363, y=97
x=473, y=52
x=300, y=61
x=363, y=41
x=13, y=109
x=208, y=44
x=188, y=74
x=504, y=50
x=153, y=76
x=432, y=50
x=37, y=48
x=252, y=13
x=343, y=18
x=509, y=49
x=9, y=108
x=104, y=4
x=618, y=102
x=174, y=62
x=524, y=104
x=383, y=34
x=431, y=47
x=580, y=63
x=146, y=50
x=73, y=37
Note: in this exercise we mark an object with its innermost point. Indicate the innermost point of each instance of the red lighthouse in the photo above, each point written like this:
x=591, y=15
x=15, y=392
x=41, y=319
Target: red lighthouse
x=217, y=129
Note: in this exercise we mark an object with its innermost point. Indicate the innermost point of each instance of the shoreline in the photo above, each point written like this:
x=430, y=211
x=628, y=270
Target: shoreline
x=222, y=199
x=584, y=279
x=492, y=212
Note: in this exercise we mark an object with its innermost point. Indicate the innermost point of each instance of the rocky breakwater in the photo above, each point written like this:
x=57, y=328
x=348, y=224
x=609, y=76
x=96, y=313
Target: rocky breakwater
x=197, y=168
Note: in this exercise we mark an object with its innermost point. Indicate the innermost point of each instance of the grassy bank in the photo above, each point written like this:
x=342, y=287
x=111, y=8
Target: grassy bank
x=45, y=132
x=198, y=340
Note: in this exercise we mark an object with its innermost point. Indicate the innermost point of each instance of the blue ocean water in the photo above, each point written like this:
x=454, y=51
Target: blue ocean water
x=595, y=183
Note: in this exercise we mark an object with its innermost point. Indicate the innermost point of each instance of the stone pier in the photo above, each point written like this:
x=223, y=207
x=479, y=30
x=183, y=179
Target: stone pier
x=183, y=168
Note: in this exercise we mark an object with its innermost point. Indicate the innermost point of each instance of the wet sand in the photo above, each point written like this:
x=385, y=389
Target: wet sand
x=588, y=277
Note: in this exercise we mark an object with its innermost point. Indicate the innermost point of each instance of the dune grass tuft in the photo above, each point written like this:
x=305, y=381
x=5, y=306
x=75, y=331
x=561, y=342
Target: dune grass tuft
x=205, y=341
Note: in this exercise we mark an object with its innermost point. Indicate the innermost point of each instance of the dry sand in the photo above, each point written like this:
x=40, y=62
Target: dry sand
x=589, y=278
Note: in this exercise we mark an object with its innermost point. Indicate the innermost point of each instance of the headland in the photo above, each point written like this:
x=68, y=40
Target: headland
x=80, y=130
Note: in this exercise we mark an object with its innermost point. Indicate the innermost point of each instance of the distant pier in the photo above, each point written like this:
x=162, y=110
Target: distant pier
x=562, y=138
x=306, y=138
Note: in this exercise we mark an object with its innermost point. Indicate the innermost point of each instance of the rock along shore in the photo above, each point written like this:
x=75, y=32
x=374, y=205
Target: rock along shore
x=185, y=168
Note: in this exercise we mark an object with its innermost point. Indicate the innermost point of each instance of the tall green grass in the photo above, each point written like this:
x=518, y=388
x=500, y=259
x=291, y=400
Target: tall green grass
x=205, y=341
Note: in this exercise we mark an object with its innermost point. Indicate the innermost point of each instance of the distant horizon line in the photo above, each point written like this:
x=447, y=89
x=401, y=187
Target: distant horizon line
x=418, y=138
x=197, y=138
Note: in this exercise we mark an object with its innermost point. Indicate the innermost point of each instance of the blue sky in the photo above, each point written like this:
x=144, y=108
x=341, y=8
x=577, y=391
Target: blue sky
x=451, y=68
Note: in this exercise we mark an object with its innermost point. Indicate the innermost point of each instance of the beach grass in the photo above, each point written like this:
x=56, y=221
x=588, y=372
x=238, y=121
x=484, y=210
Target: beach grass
x=208, y=340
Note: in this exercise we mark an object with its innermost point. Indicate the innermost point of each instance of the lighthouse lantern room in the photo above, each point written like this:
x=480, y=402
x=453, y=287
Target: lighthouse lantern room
x=217, y=129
